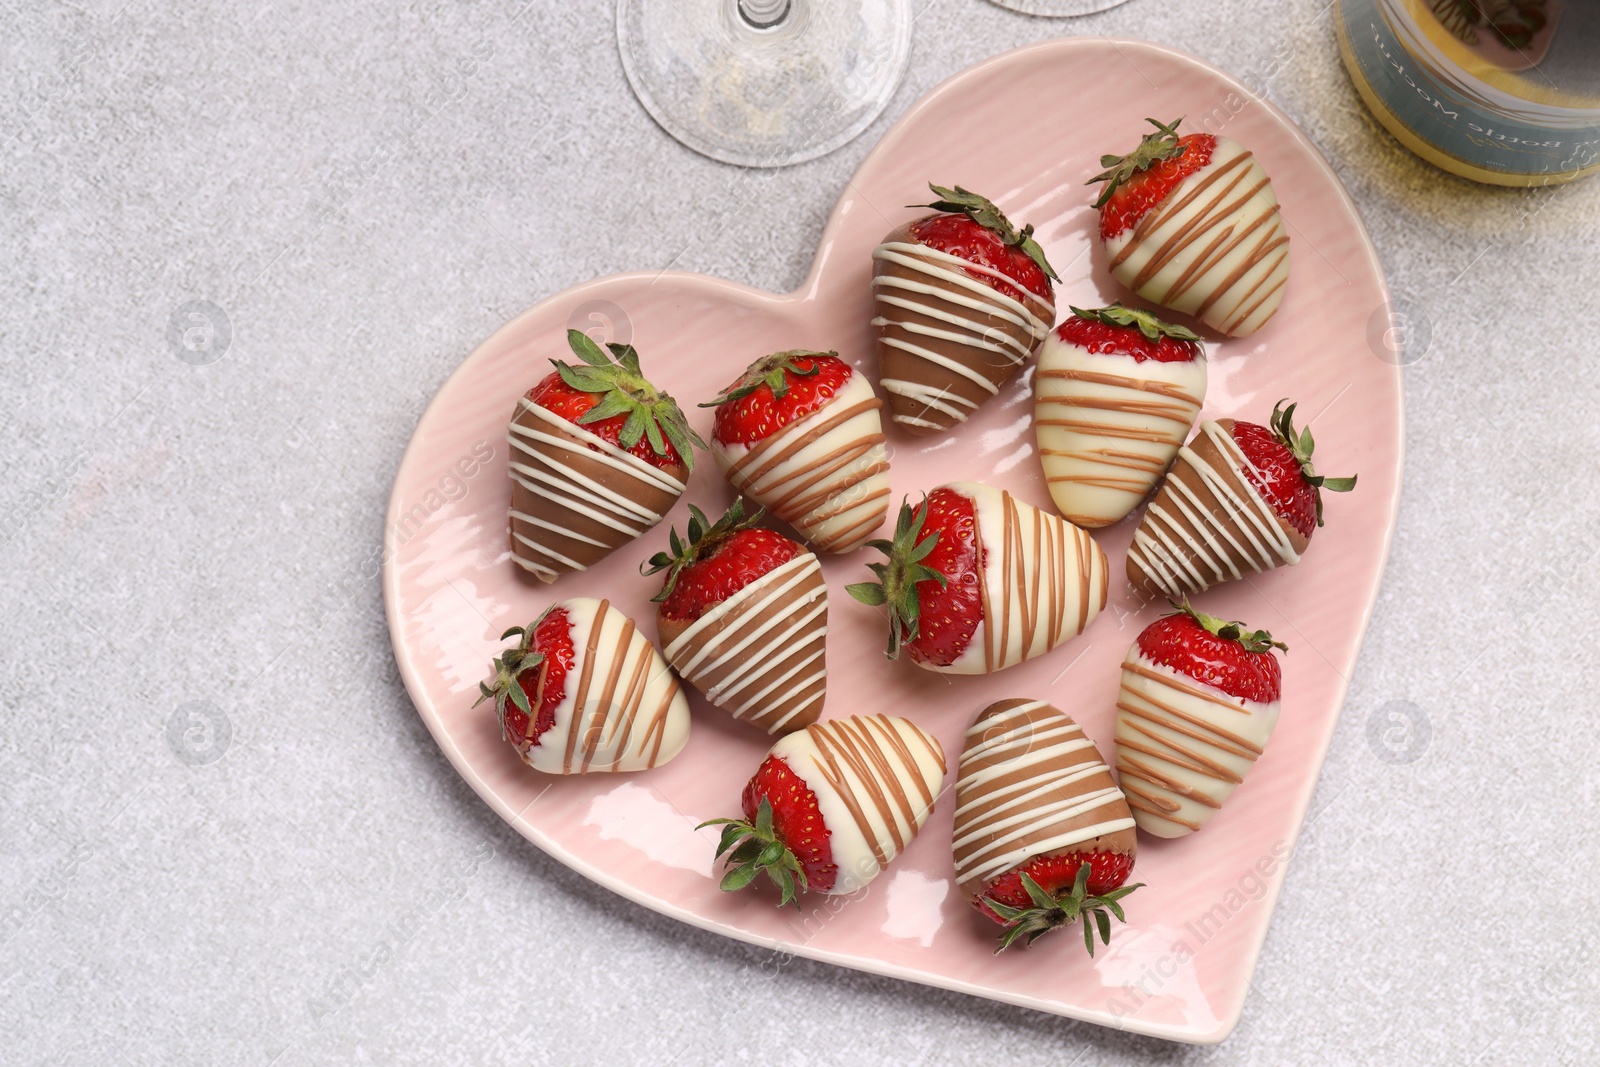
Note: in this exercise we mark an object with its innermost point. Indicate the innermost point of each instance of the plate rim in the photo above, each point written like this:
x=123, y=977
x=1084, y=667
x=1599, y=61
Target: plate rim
x=752, y=295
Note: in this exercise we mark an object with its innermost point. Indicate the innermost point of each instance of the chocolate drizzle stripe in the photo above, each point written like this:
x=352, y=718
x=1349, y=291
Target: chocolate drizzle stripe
x=1186, y=739
x=1157, y=807
x=1024, y=579
x=576, y=497
x=1180, y=722
x=968, y=276
x=1216, y=221
x=759, y=640
x=947, y=336
x=631, y=700
x=616, y=456
x=1138, y=771
x=1188, y=689
x=594, y=728
x=1221, y=229
x=580, y=699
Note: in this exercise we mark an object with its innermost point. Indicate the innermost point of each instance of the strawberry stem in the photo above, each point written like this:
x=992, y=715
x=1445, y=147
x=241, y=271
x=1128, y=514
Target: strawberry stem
x=703, y=537
x=623, y=389
x=1051, y=912
x=896, y=586
x=1301, y=447
x=771, y=371
x=1251, y=640
x=959, y=201
x=1154, y=148
x=754, y=849
x=1146, y=323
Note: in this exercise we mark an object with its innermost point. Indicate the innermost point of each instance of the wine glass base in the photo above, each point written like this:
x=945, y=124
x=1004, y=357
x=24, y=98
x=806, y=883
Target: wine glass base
x=764, y=97
x=1058, y=9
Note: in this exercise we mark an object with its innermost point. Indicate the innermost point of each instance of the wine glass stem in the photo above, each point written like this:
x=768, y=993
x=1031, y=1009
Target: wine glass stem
x=763, y=14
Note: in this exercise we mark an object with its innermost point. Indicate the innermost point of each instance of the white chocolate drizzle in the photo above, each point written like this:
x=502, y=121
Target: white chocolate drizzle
x=760, y=654
x=1244, y=533
x=1030, y=784
x=546, y=461
x=993, y=330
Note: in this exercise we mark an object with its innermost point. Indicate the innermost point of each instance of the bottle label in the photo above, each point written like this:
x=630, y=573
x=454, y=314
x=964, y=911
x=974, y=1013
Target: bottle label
x=1453, y=123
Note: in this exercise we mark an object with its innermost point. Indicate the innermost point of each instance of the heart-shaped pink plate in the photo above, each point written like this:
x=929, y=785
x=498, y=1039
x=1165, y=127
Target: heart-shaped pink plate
x=1026, y=129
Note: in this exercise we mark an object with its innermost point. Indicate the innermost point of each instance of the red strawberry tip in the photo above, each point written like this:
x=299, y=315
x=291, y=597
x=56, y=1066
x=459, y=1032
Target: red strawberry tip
x=896, y=587
x=1153, y=149
x=702, y=539
x=1154, y=329
x=753, y=849
x=505, y=681
x=1249, y=640
x=959, y=201
x=650, y=414
x=772, y=371
x=1049, y=911
x=1300, y=446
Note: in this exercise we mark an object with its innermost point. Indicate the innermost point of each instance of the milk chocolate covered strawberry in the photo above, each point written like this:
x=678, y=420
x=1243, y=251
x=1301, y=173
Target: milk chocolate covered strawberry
x=743, y=617
x=1043, y=837
x=961, y=300
x=598, y=456
x=1240, y=499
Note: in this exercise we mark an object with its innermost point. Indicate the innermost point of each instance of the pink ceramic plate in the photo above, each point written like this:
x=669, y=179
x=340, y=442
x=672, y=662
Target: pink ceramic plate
x=1042, y=114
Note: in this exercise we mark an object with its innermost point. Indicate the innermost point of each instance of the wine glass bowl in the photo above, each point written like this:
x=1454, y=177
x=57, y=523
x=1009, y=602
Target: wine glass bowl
x=764, y=83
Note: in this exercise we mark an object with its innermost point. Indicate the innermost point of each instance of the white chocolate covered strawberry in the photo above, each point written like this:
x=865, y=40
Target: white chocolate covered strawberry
x=800, y=433
x=1199, y=699
x=978, y=581
x=1191, y=223
x=1114, y=396
x=585, y=691
x=832, y=805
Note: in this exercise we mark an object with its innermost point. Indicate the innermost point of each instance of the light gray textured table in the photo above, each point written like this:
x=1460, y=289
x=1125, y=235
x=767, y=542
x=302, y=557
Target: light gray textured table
x=367, y=192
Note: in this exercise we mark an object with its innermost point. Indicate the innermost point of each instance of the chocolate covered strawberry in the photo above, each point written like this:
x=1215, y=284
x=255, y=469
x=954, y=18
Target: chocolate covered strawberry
x=743, y=617
x=1199, y=699
x=1191, y=223
x=1240, y=499
x=977, y=581
x=832, y=805
x=800, y=433
x=960, y=298
x=598, y=456
x=1042, y=837
x=1114, y=396
x=584, y=690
